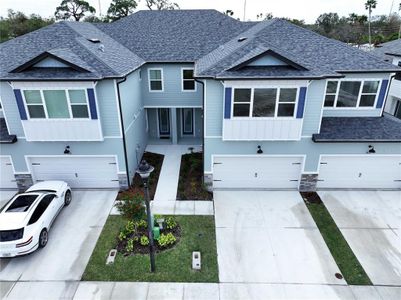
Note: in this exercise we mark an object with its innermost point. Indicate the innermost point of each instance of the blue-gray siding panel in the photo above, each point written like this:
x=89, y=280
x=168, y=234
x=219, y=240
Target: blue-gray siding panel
x=214, y=107
x=172, y=94
x=313, y=107
x=10, y=110
x=304, y=147
x=107, y=107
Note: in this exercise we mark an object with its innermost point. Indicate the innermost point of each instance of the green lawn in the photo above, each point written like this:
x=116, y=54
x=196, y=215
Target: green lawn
x=346, y=260
x=198, y=234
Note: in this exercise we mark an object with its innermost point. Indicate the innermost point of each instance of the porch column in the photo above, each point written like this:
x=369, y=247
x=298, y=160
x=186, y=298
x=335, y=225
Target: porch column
x=173, y=123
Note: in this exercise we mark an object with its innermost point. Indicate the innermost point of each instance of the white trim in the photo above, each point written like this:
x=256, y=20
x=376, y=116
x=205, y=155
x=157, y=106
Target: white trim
x=11, y=161
x=213, y=137
x=146, y=120
x=26, y=157
x=5, y=117
x=118, y=108
x=182, y=80
x=354, y=155
x=51, y=85
x=390, y=80
x=112, y=137
x=204, y=107
x=306, y=136
x=162, y=80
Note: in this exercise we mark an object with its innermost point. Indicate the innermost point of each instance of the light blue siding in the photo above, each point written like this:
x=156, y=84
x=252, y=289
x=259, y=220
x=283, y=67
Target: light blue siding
x=10, y=110
x=313, y=107
x=172, y=95
x=372, y=112
x=214, y=94
x=22, y=148
x=50, y=62
x=304, y=147
x=107, y=107
x=134, y=120
x=267, y=60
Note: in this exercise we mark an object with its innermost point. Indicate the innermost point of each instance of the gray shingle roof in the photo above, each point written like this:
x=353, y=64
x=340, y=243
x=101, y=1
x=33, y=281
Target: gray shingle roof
x=387, y=50
x=67, y=40
x=321, y=56
x=175, y=35
x=359, y=129
x=5, y=137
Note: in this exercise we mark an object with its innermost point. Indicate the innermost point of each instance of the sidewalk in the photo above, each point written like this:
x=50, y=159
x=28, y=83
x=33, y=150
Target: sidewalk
x=201, y=291
x=170, y=172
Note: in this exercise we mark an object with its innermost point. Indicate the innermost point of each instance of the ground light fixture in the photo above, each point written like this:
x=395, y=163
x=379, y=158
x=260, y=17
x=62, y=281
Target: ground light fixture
x=144, y=170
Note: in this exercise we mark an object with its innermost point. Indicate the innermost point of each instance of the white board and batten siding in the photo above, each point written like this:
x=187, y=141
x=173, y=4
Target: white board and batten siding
x=77, y=171
x=262, y=129
x=257, y=172
x=360, y=172
x=7, y=178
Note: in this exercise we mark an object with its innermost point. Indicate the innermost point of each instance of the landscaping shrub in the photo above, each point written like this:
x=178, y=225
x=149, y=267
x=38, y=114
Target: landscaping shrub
x=166, y=239
x=171, y=223
x=132, y=207
x=144, y=240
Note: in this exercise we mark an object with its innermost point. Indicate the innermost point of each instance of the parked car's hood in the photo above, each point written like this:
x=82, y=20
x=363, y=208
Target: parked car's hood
x=12, y=220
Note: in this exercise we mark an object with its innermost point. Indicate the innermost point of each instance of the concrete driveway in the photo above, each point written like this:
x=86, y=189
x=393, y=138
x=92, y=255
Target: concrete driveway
x=71, y=241
x=270, y=237
x=370, y=222
x=5, y=196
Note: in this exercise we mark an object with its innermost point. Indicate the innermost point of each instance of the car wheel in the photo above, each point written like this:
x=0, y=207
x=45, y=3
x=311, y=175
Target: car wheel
x=43, y=238
x=67, y=198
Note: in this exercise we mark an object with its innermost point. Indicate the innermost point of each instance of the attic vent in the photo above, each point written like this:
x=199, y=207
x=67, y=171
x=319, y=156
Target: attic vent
x=241, y=39
x=95, y=41
x=101, y=47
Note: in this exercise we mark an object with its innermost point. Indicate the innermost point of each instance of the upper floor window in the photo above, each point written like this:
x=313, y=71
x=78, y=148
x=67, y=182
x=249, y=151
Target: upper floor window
x=155, y=80
x=351, y=94
x=264, y=102
x=56, y=104
x=188, y=81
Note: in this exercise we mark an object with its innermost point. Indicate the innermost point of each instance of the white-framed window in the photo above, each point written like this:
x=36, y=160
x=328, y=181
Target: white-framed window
x=269, y=102
x=56, y=103
x=155, y=80
x=351, y=93
x=187, y=79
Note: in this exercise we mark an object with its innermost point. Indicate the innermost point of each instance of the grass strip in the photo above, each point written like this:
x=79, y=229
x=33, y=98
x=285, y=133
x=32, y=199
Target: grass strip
x=346, y=260
x=173, y=265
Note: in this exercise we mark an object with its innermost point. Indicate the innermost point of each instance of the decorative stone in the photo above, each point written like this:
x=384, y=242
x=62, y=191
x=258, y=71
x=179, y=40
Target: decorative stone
x=308, y=182
x=122, y=180
x=196, y=260
x=208, y=182
x=24, y=181
x=111, y=257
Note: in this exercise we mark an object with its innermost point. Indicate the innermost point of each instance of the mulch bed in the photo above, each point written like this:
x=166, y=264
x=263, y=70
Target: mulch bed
x=139, y=249
x=154, y=159
x=190, y=185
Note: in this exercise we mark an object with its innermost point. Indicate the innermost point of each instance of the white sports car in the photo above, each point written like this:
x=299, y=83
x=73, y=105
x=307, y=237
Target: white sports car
x=26, y=219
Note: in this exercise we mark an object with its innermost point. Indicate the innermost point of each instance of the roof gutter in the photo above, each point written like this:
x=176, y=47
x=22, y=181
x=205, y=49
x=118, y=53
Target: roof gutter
x=123, y=129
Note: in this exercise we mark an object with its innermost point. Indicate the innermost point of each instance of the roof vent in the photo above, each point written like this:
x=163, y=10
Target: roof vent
x=241, y=39
x=101, y=47
x=95, y=41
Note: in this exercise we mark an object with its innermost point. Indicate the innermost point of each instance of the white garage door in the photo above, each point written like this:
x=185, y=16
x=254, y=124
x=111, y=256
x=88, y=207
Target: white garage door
x=258, y=172
x=7, y=179
x=368, y=171
x=77, y=171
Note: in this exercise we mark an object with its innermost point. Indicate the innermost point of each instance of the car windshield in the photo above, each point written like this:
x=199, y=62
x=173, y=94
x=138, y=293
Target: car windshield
x=22, y=203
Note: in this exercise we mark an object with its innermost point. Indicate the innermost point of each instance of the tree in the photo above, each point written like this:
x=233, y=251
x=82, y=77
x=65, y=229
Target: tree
x=327, y=22
x=370, y=5
x=121, y=8
x=266, y=16
x=75, y=9
x=17, y=23
x=229, y=12
x=161, y=4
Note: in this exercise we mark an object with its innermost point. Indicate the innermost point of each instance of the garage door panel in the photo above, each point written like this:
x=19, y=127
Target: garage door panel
x=78, y=172
x=7, y=178
x=259, y=172
x=374, y=172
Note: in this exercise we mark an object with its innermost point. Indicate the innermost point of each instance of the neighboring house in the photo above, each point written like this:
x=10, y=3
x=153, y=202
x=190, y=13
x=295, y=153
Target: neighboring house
x=391, y=52
x=275, y=106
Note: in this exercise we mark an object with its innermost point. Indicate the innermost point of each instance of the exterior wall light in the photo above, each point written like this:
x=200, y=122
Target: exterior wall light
x=371, y=150
x=260, y=151
x=67, y=150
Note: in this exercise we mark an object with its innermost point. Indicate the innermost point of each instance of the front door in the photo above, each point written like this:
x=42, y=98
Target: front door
x=164, y=122
x=187, y=121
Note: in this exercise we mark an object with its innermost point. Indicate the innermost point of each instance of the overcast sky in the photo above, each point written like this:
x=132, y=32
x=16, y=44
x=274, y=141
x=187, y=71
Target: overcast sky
x=307, y=10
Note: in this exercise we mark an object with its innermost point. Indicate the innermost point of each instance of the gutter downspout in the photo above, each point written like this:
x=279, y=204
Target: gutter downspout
x=203, y=128
x=123, y=129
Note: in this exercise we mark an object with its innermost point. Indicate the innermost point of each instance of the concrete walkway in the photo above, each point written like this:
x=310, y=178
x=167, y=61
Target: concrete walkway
x=170, y=172
x=76, y=290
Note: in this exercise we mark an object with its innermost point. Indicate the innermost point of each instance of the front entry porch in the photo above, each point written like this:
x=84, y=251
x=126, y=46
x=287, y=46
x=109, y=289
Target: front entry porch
x=181, y=126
